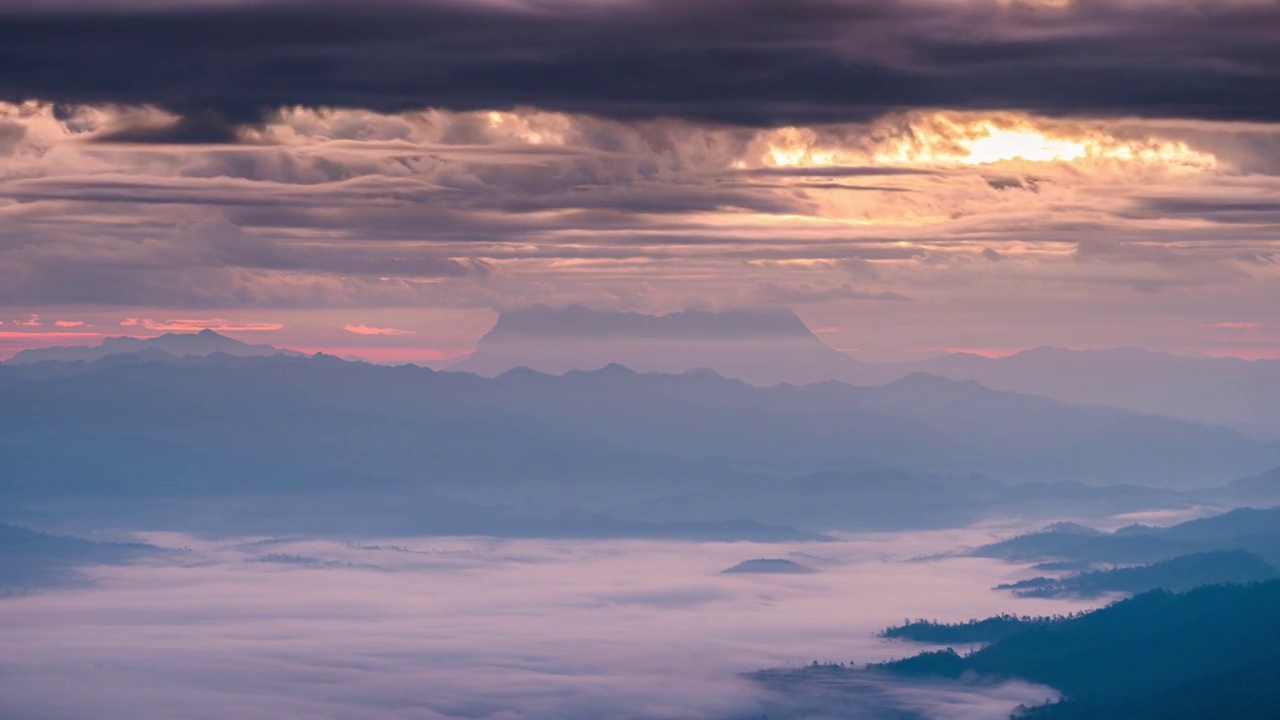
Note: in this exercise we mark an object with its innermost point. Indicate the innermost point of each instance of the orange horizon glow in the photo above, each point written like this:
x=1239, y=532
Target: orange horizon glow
x=198, y=324
x=362, y=329
x=54, y=337
x=53, y=334
x=15, y=341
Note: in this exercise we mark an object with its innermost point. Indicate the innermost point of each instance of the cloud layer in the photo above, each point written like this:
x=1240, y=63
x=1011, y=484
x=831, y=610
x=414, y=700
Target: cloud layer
x=916, y=174
x=431, y=629
x=762, y=62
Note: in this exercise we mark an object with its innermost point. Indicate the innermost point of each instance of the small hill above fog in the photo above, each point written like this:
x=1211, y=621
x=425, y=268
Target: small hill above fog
x=205, y=342
x=762, y=347
x=768, y=566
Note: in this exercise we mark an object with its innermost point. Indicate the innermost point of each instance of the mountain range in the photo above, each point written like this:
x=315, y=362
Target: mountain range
x=608, y=423
x=1176, y=574
x=766, y=347
x=770, y=347
x=204, y=342
x=1068, y=545
x=166, y=426
x=417, y=449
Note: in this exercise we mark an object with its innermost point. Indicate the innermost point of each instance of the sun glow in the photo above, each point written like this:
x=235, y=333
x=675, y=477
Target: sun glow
x=534, y=128
x=1013, y=144
x=944, y=139
x=791, y=147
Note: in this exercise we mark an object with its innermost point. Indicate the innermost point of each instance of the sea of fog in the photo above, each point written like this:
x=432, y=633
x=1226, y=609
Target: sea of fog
x=286, y=628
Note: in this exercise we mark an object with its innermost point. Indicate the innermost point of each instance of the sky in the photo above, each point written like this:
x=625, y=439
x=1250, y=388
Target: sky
x=381, y=178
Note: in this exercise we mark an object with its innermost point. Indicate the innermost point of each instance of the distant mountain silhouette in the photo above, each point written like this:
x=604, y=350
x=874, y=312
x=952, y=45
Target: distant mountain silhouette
x=31, y=559
x=646, y=450
x=766, y=347
x=579, y=322
x=762, y=347
x=769, y=346
x=1176, y=574
x=768, y=566
x=205, y=342
x=1226, y=391
x=1252, y=530
x=1263, y=489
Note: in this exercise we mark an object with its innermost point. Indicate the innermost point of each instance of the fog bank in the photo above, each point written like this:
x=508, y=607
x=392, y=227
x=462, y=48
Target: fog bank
x=481, y=628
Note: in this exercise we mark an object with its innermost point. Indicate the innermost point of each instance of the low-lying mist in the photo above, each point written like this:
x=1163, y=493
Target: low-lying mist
x=503, y=629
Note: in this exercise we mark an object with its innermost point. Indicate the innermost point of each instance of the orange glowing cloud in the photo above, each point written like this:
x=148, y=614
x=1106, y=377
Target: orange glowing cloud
x=51, y=335
x=367, y=330
x=1232, y=325
x=198, y=324
x=949, y=139
x=967, y=139
x=14, y=341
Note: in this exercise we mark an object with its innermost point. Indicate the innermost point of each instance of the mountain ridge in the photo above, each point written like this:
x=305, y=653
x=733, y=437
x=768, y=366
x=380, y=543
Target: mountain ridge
x=204, y=342
x=697, y=417
x=766, y=348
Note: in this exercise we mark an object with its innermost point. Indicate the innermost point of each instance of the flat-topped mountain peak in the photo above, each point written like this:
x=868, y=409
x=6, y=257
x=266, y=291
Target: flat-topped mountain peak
x=760, y=346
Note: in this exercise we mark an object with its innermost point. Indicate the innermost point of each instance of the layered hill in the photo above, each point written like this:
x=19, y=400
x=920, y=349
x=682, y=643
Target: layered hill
x=198, y=425
x=1209, y=652
x=1228, y=391
x=1248, y=529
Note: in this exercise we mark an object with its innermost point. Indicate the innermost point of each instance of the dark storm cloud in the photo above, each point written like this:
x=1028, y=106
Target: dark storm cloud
x=1220, y=210
x=624, y=201
x=740, y=61
x=203, y=127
